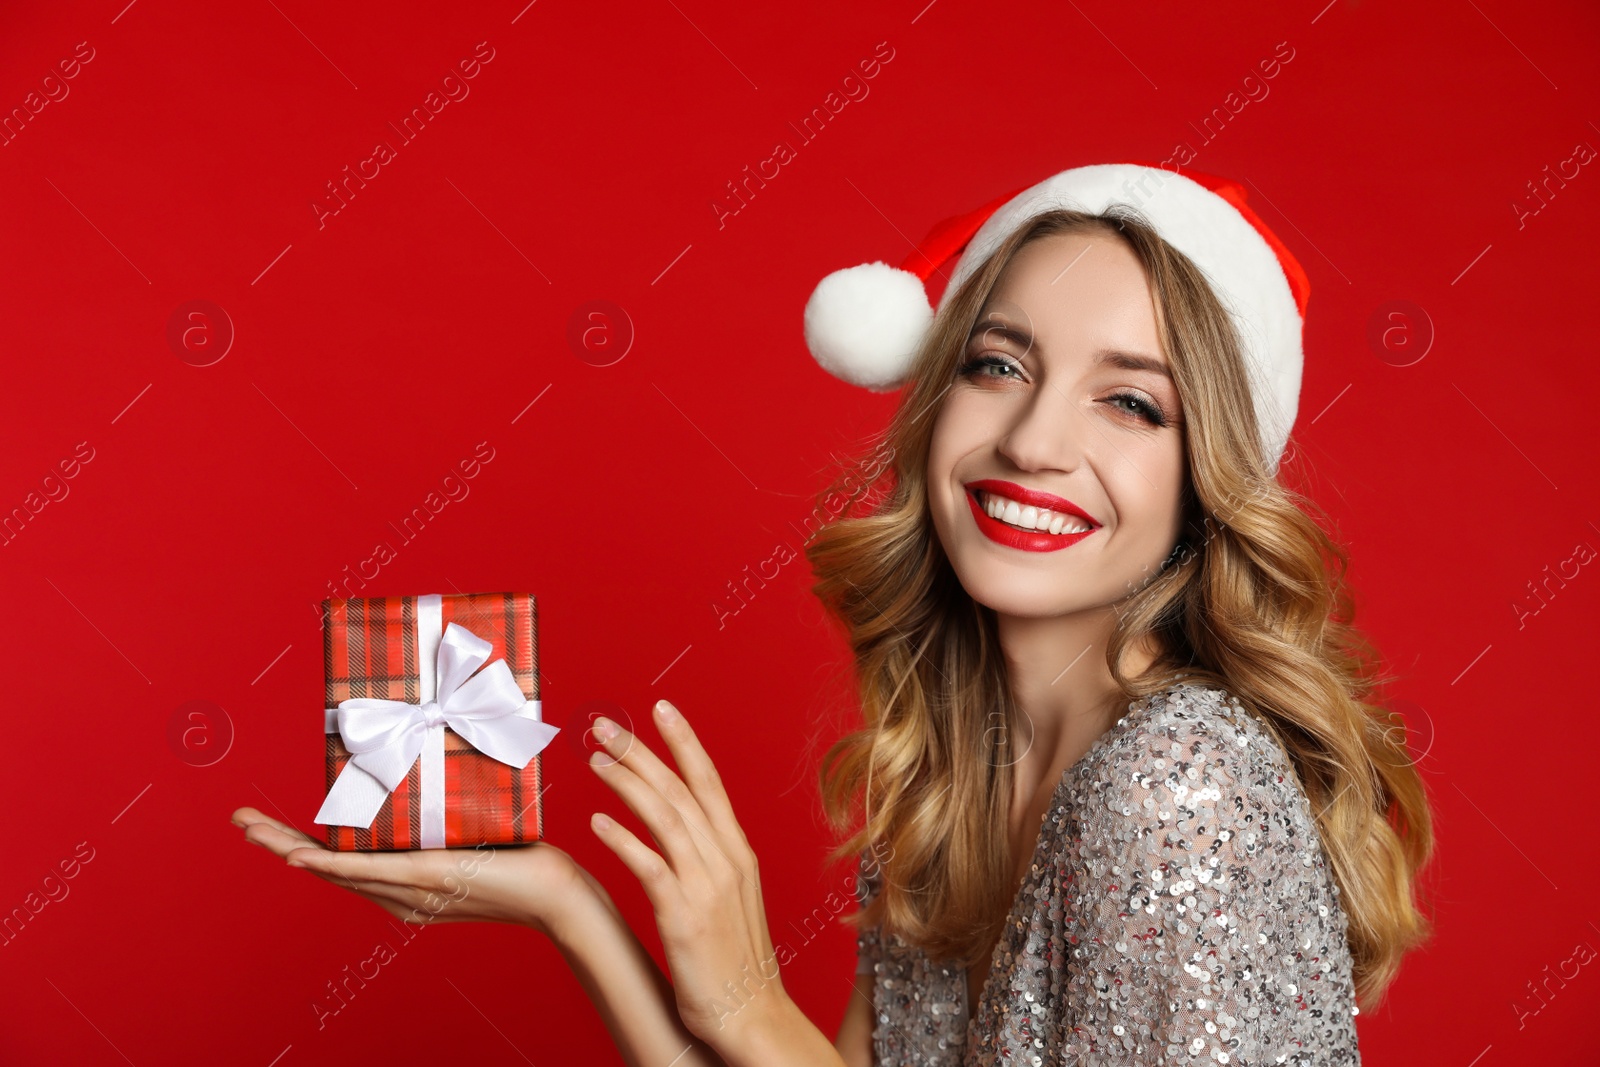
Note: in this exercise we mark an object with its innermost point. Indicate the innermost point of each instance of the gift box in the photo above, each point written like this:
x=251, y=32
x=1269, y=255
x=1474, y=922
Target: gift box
x=432, y=721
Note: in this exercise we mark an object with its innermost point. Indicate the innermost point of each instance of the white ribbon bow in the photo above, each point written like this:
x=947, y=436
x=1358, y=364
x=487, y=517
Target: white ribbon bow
x=385, y=737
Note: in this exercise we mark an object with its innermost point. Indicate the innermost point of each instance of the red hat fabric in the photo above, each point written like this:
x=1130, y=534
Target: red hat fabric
x=863, y=324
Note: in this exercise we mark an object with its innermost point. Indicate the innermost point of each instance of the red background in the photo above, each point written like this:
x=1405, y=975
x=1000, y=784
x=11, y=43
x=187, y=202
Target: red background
x=374, y=353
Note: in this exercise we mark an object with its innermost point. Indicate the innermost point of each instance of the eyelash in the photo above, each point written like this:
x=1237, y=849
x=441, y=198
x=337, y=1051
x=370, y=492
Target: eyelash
x=1147, y=411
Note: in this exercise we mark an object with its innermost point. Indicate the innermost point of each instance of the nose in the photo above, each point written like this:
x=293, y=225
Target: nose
x=1049, y=433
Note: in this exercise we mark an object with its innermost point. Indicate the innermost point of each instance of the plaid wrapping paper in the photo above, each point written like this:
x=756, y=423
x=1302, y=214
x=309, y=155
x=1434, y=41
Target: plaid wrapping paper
x=370, y=650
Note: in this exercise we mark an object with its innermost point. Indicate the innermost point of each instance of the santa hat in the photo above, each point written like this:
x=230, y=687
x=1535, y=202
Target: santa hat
x=863, y=324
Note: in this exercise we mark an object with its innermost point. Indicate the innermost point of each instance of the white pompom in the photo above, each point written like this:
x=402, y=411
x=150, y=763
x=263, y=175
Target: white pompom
x=863, y=324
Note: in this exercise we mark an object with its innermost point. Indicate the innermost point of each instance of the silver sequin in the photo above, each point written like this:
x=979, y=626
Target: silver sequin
x=1179, y=909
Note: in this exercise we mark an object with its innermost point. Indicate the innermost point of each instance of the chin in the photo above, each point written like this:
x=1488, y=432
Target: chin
x=1020, y=594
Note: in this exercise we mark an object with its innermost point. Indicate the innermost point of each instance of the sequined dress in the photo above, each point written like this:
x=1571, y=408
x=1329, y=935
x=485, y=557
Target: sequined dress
x=1179, y=909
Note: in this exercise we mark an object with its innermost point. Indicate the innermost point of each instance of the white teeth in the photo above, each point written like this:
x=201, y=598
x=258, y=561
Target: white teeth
x=1027, y=517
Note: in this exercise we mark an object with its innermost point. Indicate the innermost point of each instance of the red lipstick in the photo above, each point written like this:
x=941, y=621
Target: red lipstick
x=1029, y=541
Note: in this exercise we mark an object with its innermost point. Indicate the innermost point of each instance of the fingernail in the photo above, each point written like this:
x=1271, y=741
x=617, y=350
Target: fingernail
x=295, y=863
x=605, y=729
x=667, y=712
x=601, y=759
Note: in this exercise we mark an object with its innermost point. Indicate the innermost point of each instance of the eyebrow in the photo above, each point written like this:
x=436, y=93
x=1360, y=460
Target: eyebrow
x=1134, y=361
x=1114, y=357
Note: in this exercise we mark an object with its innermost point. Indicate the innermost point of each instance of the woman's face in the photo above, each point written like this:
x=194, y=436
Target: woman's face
x=1062, y=406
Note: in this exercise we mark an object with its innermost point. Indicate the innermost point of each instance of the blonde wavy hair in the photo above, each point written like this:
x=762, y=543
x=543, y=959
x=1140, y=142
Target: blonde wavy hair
x=1252, y=600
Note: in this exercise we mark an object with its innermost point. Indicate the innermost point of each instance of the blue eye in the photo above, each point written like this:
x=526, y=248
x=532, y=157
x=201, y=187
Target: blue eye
x=972, y=366
x=1141, y=407
x=1130, y=402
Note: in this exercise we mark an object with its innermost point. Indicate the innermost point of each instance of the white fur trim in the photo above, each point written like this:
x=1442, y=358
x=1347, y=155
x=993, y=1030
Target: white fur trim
x=863, y=324
x=1241, y=266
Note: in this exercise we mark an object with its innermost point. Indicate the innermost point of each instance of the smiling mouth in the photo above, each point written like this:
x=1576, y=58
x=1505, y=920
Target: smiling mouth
x=1026, y=518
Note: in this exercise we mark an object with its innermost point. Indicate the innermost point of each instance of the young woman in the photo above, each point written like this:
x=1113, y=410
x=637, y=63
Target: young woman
x=1122, y=800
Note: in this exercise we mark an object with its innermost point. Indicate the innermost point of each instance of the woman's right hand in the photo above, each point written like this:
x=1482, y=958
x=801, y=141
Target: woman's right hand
x=536, y=885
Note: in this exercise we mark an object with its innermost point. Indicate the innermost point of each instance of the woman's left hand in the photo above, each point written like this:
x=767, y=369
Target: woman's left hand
x=704, y=885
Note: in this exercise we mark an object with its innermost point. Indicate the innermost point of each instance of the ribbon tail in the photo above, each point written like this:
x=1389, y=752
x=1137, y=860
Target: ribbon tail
x=511, y=739
x=354, y=800
x=490, y=712
x=543, y=735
